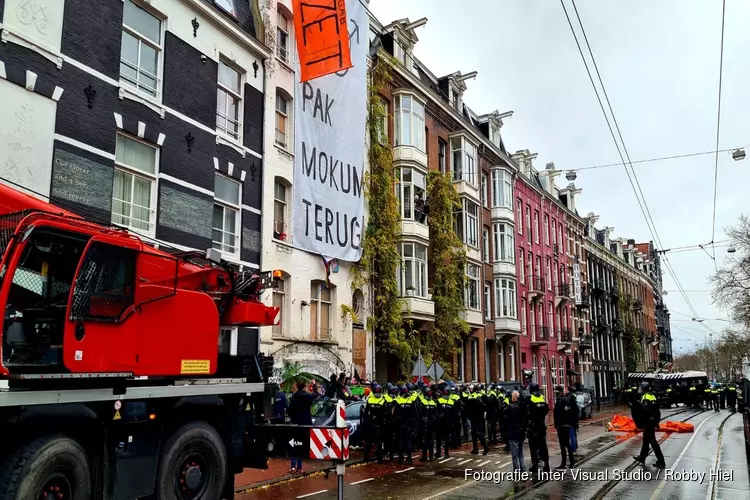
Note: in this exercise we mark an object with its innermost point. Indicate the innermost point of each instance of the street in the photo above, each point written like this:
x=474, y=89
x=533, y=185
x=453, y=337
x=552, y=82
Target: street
x=604, y=469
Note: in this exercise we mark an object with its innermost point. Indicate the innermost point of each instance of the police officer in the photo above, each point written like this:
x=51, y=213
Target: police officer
x=374, y=418
x=446, y=419
x=504, y=405
x=722, y=396
x=537, y=428
x=456, y=422
x=565, y=417
x=493, y=407
x=646, y=415
x=629, y=396
x=708, y=397
x=693, y=395
x=731, y=396
x=428, y=414
x=668, y=397
x=475, y=408
x=466, y=424
x=715, y=398
x=405, y=416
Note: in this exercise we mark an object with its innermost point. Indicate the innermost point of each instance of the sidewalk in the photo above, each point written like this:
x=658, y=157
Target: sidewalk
x=278, y=468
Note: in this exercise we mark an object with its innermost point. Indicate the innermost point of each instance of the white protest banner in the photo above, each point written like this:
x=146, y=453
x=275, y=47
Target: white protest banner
x=329, y=153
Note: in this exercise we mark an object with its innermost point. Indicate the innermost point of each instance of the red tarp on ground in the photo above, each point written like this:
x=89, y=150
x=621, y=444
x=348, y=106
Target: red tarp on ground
x=626, y=424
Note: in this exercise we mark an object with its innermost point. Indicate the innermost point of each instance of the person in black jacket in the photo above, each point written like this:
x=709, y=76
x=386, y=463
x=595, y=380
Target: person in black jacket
x=576, y=412
x=299, y=414
x=475, y=409
x=646, y=416
x=538, y=409
x=564, y=419
x=516, y=427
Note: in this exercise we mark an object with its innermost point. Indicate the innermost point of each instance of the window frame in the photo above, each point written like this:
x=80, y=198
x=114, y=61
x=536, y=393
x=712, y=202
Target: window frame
x=278, y=181
x=419, y=269
x=158, y=47
x=468, y=287
x=287, y=57
x=135, y=172
x=484, y=195
x=224, y=132
x=535, y=367
x=486, y=258
x=502, y=189
x=227, y=205
x=474, y=359
x=528, y=222
x=471, y=224
x=401, y=187
x=519, y=216
x=467, y=171
x=442, y=152
x=280, y=291
x=506, y=298
x=546, y=230
x=504, y=242
x=416, y=122
x=521, y=265
x=487, y=300
x=317, y=301
x=536, y=226
x=287, y=120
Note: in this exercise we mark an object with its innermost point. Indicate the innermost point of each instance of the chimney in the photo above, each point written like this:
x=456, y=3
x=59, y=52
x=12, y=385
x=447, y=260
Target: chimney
x=631, y=243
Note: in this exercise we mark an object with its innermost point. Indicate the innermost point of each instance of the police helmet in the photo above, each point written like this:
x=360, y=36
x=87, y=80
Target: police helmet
x=471, y=388
x=480, y=387
x=492, y=386
x=409, y=386
x=377, y=389
x=645, y=386
x=508, y=393
x=446, y=390
x=428, y=392
x=404, y=389
x=533, y=387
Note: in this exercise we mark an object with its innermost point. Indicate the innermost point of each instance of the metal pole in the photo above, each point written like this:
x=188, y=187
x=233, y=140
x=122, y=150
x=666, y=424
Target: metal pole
x=341, y=466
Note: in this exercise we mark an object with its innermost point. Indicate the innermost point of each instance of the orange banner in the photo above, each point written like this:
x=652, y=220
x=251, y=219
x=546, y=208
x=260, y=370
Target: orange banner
x=322, y=32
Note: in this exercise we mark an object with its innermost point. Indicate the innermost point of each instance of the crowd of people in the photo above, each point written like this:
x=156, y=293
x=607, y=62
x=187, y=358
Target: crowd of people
x=437, y=418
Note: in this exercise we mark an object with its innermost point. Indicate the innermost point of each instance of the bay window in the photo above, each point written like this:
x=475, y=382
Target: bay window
x=412, y=277
x=487, y=301
x=483, y=194
x=464, y=154
x=410, y=191
x=471, y=213
x=485, y=246
x=471, y=296
x=226, y=217
x=503, y=239
x=505, y=298
x=409, y=122
x=502, y=189
x=133, y=190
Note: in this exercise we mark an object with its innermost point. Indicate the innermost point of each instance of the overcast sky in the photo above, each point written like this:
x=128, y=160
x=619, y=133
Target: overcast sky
x=659, y=61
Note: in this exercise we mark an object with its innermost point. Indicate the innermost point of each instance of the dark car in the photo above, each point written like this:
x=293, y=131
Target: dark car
x=323, y=413
x=585, y=406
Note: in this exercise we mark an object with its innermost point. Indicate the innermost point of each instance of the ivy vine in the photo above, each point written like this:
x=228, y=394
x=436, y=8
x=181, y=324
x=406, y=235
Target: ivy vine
x=381, y=257
x=447, y=262
x=348, y=311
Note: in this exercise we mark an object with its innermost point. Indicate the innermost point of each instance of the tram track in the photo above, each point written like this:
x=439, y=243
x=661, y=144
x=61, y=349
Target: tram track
x=537, y=485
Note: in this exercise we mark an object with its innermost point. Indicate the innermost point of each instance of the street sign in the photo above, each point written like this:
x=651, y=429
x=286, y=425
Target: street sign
x=304, y=441
x=435, y=371
x=329, y=444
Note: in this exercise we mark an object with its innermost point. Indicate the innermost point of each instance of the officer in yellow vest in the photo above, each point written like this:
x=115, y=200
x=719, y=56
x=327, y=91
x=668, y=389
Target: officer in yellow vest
x=504, y=405
x=475, y=409
x=428, y=413
x=406, y=421
x=446, y=419
x=731, y=396
x=707, y=397
x=457, y=410
x=538, y=410
x=646, y=415
x=493, y=407
x=693, y=395
x=375, y=416
x=668, y=397
x=715, y=398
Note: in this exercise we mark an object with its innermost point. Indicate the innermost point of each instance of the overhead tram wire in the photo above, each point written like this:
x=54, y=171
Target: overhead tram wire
x=646, y=212
x=661, y=158
x=718, y=127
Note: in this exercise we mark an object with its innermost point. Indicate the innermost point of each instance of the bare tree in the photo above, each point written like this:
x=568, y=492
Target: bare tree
x=731, y=283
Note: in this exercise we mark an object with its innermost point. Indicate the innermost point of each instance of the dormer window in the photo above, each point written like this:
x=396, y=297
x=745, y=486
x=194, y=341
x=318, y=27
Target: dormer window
x=495, y=135
x=400, y=53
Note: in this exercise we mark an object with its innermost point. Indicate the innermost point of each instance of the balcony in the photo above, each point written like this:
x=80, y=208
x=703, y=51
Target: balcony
x=540, y=335
x=601, y=325
x=473, y=317
x=502, y=214
x=507, y=327
x=585, y=300
x=562, y=294
x=617, y=327
x=504, y=266
x=614, y=293
x=564, y=339
x=556, y=249
x=599, y=287
x=411, y=229
x=418, y=308
x=638, y=305
x=409, y=154
x=466, y=188
x=536, y=287
x=585, y=342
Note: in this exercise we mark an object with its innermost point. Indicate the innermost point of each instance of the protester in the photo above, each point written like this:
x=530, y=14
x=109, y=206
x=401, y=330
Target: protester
x=564, y=419
x=299, y=413
x=280, y=406
x=516, y=425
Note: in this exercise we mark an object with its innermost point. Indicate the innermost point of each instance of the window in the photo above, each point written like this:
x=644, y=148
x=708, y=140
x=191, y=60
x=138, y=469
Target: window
x=519, y=216
x=460, y=353
x=413, y=278
x=487, y=301
x=279, y=210
x=133, y=196
x=502, y=189
x=320, y=311
x=535, y=367
x=561, y=371
x=550, y=319
x=536, y=226
x=464, y=155
x=229, y=100
x=442, y=146
x=141, y=49
x=410, y=192
x=554, y=232
x=544, y=376
x=504, y=246
x=279, y=300
x=528, y=222
x=283, y=106
x=226, y=220
x=548, y=274
x=409, y=122
x=521, y=268
x=471, y=210
x=474, y=359
x=282, y=37
x=505, y=298
x=495, y=135
x=383, y=132
x=483, y=194
x=512, y=357
x=471, y=296
x=524, y=319
x=553, y=370
x=546, y=230
x=486, y=245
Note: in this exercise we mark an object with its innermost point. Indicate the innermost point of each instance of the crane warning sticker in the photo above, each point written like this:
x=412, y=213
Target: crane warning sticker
x=195, y=366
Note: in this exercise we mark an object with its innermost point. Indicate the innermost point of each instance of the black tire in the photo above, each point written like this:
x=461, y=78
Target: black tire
x=46, y=463
x=195, y=452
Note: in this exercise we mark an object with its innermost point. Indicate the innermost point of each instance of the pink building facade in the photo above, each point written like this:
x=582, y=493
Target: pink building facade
x=545, y=298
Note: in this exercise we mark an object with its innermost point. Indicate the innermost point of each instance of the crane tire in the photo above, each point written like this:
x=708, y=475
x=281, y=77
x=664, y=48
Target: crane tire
x=193, y=464
x=54, y=463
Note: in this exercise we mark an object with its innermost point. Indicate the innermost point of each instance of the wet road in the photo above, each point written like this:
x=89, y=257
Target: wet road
x=606, y=457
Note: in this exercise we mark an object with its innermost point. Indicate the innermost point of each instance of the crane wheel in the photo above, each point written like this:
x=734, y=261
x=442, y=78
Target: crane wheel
x=193, y=464
x=48, y=467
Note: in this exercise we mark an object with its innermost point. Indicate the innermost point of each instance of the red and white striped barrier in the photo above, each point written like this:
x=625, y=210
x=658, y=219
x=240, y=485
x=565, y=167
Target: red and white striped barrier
x=329, y=444
x=340, y=415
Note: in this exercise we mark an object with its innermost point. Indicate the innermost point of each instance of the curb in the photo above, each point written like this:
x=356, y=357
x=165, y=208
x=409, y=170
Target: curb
x=291, y=477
